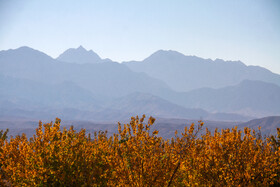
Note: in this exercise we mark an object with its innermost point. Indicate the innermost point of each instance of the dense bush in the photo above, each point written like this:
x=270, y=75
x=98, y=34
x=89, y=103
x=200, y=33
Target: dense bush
x=135, y=156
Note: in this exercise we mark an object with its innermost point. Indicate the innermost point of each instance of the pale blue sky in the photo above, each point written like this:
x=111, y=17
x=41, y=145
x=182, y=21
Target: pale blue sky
x=123, y=30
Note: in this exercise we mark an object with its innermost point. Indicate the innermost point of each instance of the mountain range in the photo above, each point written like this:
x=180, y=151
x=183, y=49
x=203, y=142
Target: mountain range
x=184, y=73
x=250, y=97
x=79, y=85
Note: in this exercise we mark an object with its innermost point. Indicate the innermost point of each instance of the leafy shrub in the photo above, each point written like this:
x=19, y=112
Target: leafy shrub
x=135, y=156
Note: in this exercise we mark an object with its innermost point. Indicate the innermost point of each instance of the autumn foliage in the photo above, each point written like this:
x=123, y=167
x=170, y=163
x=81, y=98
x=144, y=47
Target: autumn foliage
x=137, y=156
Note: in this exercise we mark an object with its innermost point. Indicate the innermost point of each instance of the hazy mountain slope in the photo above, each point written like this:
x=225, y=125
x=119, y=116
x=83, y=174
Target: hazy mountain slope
x=27, y=63
x=79, y=56
x=32, y=79
x=184, y=73
x=268, y=124
x=255, y=98
x=142, y=103
x=30, y=99
x=106, y=79
x=28, y=94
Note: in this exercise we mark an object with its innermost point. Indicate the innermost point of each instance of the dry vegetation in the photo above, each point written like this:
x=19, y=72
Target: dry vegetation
x=135, y=156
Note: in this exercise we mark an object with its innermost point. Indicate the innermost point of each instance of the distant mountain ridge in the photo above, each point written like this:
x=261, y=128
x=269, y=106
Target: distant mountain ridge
x=252, y=98
x=107, y=78
x=184, y=73
x=80, y=85
x=31, y=99
x=79, y=56
x=28, y=94
x=143, y=103
x=268, y=124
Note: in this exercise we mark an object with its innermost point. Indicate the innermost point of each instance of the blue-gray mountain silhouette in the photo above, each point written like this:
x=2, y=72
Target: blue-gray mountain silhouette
x=185, y=73
x=268, y=124
x=253, y=98
x=105, y=79
x=79, y=56
x=101, y=89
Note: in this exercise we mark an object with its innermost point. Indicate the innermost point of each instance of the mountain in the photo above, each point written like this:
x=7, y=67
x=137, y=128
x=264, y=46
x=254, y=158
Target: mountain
x=107, y=79
x=27, y=63
x=252, y=98
x=27, y=95
x=268, y=124
x=143, y=103
x=34, y=84
x=34, y=100
x=184, y=73
x=79, y=56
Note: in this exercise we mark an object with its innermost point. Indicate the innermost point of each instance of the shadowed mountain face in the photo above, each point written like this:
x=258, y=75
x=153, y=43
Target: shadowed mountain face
x=185, y=73
x=79, y=56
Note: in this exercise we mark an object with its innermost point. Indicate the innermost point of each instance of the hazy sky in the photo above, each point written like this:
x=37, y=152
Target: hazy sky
x=123, y=30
